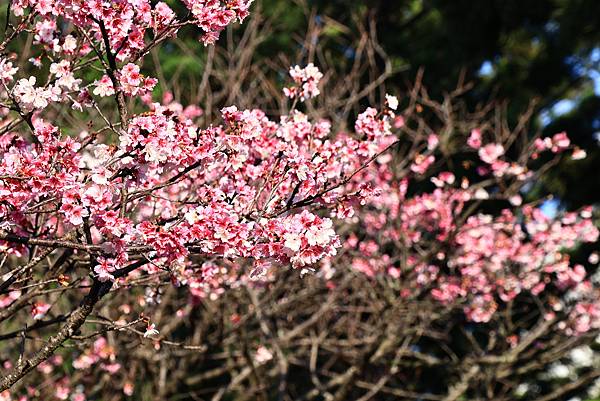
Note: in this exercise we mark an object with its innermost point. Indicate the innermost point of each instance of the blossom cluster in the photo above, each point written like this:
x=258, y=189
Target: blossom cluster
x=125, y=22
x=489, y=259
x=307, y=82
x=239, y=190
x=171, y=192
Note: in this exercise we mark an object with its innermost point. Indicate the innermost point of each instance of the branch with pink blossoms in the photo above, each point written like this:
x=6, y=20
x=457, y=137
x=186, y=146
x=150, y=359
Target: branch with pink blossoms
x=115, y=210
x=417, y=224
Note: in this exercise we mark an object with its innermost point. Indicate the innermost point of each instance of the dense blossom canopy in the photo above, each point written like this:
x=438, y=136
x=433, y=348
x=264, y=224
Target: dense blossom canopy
x=225, y=205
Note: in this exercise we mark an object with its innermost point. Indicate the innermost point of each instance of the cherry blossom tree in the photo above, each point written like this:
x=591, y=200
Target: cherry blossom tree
x=146, y=198
x=167, y=191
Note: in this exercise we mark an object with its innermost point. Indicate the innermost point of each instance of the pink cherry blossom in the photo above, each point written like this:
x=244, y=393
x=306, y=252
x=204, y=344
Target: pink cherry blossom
x=151, y=331
x=39, y=310
x=474, y=140
x=306, y=80
x=491, y=152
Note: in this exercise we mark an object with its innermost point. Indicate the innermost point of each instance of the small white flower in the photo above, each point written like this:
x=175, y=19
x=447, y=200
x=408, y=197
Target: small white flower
x=7, y=71
x=522, y=389
x=306, y=270
x=559, y=371
x=582, y=356
x=515, y=200
x=151, y=331
x=491, y=152
x=262, y=355
x=155, y=153
x=292, y=241
x=191, y=216
x=103, y=87
x=61, y=68
x=392, y=101
x=101, y=176
x=578, y=154
x=70, y=44
x=481, y=194
x=321, y=235
x=103, y=274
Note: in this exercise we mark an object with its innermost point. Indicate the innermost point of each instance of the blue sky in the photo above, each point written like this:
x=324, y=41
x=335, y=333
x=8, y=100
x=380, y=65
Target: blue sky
x=584, y=66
